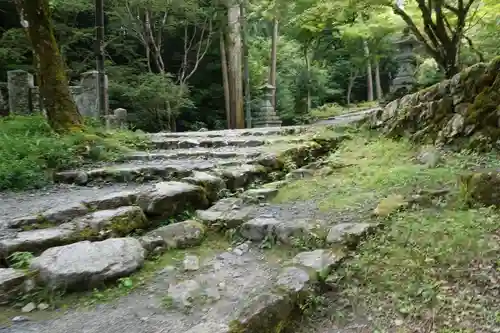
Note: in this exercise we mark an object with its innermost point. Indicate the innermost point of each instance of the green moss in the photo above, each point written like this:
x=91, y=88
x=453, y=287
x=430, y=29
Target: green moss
x=123, y=225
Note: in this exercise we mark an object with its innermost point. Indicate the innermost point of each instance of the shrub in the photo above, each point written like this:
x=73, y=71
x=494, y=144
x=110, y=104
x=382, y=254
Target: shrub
x=31, y=151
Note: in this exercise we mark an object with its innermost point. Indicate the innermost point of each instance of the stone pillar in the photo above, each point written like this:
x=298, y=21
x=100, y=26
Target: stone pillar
x=36, y=101
x=4, y=99
x=117, y=120
x=77, y=93
x=88, y=100
x=404, y=82
x=19, y=86
x=266, y=116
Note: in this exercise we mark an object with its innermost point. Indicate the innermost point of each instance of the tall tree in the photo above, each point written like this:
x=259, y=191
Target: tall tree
x=441, y=29
x=62, y=113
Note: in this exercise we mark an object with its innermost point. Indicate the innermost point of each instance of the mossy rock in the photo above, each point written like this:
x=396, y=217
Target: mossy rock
x=481, y=187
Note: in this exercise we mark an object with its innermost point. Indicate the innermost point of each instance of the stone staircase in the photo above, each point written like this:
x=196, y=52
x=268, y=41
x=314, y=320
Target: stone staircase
x=114, y=217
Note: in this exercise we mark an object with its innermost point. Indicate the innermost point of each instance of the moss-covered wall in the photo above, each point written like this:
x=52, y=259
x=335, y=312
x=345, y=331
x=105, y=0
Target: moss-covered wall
x=463, y=111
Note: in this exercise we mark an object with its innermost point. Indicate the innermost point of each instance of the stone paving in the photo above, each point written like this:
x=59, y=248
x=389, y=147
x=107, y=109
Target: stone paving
x=101, y=224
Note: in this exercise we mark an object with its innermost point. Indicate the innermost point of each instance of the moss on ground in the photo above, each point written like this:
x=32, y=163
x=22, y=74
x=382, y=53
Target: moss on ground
x=333, y=109
x=31, y=151
x=433, y=268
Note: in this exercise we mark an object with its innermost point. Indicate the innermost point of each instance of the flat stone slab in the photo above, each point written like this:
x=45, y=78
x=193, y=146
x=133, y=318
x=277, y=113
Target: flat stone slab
x=170, y=198
x=180, y=235
x=195, y=153
x=37, y=240
x=348, y=232
x=257, y=229
x=119, y=222
x=11, y=281
x=212, y=184
x=318, y=263
x=257, y=195
x=85, y=265
x=225, y=213
x=56, y=215
x=282, y=130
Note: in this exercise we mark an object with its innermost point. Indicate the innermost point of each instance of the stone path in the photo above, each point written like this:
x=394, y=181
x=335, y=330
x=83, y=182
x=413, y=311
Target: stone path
x=103, y=223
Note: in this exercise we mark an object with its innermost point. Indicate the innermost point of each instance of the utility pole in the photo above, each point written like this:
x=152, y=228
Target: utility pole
x=99, y=56
x=246, y=71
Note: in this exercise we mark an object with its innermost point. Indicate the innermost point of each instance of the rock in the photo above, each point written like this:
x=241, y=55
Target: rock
x=300, y=174
x=226, y=213
x=264, y=311
x=429, y=156
x=184, y=293
x=481, y=187
x=258, y=228
x=181, y=235
x=349, y=233
x=56, y=215
x=19, y=319
x=11, y=282
x=84, y=265
x=152, y=243
x=28, y=307
x=243, y=248
x=72, y=177
x=318, y=263
x=212, y=184
x=259, y=194
x=209, y=327
x=287, y=231
x=120, y=221
x=241, y=176
x=191, y=263
x=112, y=201
x=170, y=198
x=37, y=240
x=43, y=306
x=389, y=205
x=293, y=279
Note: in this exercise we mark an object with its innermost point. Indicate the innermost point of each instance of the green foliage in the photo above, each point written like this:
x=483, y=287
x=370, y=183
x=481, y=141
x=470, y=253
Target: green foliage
x=428, y=73
x=31, y=151
x=20, y=260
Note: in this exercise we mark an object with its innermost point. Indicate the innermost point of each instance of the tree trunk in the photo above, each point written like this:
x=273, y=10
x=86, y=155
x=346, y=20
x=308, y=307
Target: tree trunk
x=274, y=49
x=378, y=84
x=62, y=113
x=234, y=57
x=308, y=78
x=369, y=76
x=352, y=78
x=225, y=82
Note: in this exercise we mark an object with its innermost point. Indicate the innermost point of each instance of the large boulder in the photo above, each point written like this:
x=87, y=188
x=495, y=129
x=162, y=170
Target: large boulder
x=170, y=198
x=85, y=265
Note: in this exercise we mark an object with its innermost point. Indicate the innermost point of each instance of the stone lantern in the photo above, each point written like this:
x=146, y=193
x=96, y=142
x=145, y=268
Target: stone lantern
x=266, y=116
x=404, y=82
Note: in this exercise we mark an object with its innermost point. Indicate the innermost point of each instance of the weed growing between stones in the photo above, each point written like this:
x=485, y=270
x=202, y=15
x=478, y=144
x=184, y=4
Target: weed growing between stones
x=30, y=151
x=434, y=267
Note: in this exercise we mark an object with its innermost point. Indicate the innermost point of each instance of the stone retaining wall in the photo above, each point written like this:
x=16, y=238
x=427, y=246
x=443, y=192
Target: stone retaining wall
x=463, y=111
x=20, y=95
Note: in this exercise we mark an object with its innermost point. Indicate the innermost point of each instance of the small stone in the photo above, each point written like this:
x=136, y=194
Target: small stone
x=167, y=270
x=244, y=247
x=293, y=279
x=191, y=263
x=42, y=306
x=318, y=262
x=398, y=322
x=19, y=319
x=238, y=252
x=28, y=307
x=347, y=232
x=429, y=156
x=389, y=205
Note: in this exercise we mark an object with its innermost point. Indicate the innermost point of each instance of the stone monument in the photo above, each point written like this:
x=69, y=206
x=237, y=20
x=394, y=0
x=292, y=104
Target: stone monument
x=404, y=82
x=266, y=116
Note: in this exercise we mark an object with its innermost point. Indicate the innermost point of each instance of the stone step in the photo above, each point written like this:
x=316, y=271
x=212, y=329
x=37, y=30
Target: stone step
x=142, y=171
x=195, y=153
x=204, y=142
x=289, y=130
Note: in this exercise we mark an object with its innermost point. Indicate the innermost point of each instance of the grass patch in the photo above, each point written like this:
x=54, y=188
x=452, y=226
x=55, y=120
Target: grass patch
x=334, y=109
x=431, y=269
x=31, y=151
